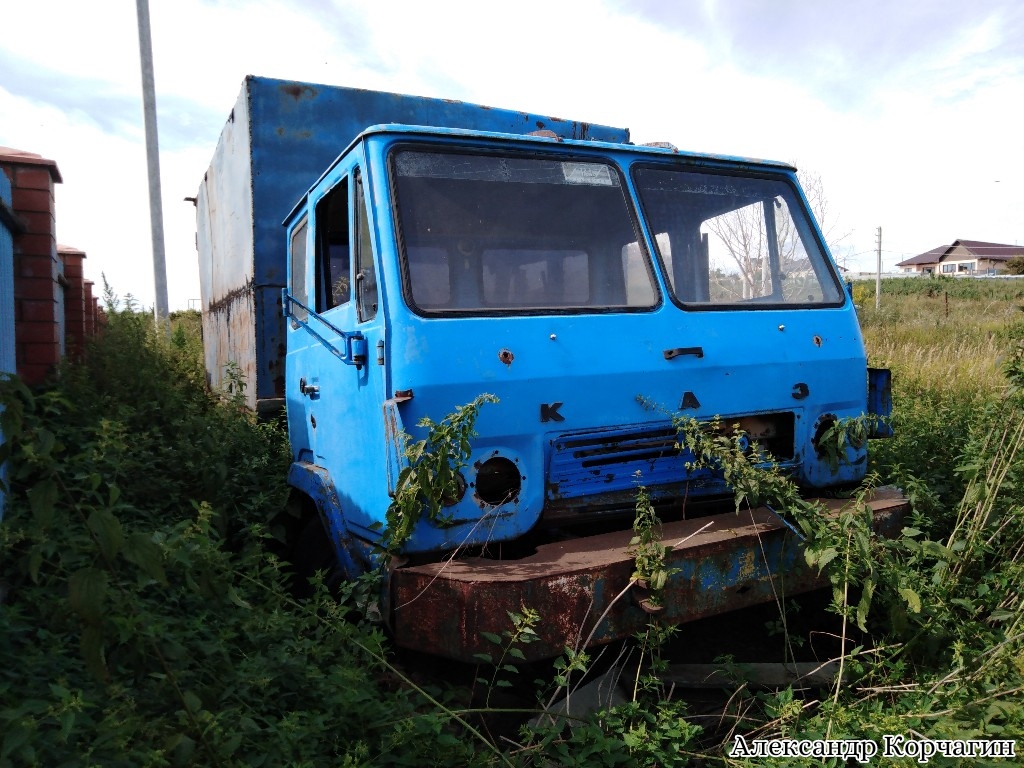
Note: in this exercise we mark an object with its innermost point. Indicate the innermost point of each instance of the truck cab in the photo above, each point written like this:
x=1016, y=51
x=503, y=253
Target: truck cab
x=595, y=290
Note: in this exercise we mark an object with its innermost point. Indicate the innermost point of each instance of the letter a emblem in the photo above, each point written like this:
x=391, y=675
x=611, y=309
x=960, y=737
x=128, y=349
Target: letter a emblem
x=689, y=401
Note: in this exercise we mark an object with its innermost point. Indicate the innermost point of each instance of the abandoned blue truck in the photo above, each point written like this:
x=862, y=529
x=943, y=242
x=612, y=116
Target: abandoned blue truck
x=370, y=259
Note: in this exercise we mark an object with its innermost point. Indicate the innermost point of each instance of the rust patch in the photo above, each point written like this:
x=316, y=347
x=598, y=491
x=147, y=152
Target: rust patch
x=444, y=608
x=506, y=356
x=298, y=91
x=224, y=304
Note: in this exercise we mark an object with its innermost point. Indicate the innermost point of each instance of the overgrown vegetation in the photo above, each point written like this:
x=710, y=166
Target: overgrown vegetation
x=144, y=619
x=950, y=344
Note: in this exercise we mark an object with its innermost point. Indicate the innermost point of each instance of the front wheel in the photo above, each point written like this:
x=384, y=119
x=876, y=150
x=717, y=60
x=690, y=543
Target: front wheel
x=311, y=552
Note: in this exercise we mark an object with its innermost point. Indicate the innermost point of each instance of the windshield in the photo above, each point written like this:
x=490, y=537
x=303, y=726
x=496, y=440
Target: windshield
x=484, y=233
x=728, y=240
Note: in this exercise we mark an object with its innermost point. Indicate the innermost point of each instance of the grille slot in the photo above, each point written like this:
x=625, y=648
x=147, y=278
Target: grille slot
x=609, y=460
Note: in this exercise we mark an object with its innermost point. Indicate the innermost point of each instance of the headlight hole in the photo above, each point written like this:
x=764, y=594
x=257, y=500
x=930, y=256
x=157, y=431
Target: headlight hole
x=498, y=481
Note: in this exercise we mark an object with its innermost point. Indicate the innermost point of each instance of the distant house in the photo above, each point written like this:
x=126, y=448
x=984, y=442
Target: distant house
x=924, y=263
x=963, y=257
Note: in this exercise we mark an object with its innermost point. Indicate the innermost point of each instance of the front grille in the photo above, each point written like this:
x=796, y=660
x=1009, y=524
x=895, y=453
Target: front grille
x=609, y=462
x=613, y=460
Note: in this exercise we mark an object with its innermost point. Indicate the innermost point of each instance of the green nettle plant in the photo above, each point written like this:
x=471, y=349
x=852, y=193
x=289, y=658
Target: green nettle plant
x=935, y=596
x=651, y=574
x=1012, y=363
x=432, y=476
x=500, y=674
x=648, y=551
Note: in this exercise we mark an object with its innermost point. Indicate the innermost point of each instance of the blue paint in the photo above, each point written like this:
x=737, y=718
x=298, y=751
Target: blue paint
x=280, y=137
x=8, y=363
x=880, y=401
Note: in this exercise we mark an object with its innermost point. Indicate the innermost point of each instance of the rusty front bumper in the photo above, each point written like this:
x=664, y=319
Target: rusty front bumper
x=725, y=562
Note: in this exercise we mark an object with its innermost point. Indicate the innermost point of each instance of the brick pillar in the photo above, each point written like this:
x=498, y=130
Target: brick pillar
x=75, y=307
x=92, y=304
x=37, y=294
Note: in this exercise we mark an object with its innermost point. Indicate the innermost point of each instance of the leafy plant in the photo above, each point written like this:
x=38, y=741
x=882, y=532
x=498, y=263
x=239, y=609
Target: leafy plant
x=145, y=621
x=841, y=435
x=647, y=550
x=431, y=478
x=522, y=632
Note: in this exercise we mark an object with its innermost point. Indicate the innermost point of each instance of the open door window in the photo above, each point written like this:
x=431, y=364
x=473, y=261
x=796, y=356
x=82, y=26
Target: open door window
x=333, y=255
x=298, y=268
x=366, y=275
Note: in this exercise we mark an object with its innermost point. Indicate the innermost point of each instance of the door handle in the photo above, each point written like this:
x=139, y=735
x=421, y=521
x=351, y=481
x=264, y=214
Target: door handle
x=309, y=390
x=680, y=351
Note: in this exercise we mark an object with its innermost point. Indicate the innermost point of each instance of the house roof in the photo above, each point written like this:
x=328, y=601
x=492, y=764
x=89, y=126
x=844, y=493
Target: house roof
x=977, y=248
x=931, y=257
x=995, y=251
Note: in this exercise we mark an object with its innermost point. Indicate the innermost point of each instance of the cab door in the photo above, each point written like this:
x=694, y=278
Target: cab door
x=335, y=384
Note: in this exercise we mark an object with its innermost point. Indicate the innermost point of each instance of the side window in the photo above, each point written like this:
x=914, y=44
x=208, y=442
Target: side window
x=298, y=281
x=366, y=276
x=333, y=265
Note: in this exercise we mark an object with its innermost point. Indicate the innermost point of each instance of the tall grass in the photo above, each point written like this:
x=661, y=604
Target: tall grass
x=940, y=341
x=946, y=342
x=144, y=619
x=942, y=655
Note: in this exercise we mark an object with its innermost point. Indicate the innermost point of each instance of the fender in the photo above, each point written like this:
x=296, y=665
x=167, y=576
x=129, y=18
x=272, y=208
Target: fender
x=354, y=555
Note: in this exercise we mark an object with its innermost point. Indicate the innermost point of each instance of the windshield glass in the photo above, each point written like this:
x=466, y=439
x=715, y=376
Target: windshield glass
x=484, y=233
x=728, y=240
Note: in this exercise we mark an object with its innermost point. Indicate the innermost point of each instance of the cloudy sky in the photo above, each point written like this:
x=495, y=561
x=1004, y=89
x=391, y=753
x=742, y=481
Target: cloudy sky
x=911, y=112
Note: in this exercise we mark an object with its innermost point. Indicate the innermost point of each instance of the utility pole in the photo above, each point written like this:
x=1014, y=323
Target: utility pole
x=156, y=216
x=878, y=273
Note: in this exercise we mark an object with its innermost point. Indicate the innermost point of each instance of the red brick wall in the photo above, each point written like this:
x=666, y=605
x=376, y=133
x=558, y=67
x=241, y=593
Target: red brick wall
x=95, y=317
x=90, y=317
x=49, y=281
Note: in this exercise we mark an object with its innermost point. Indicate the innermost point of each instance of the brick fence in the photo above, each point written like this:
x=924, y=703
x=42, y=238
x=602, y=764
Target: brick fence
x=54, y=309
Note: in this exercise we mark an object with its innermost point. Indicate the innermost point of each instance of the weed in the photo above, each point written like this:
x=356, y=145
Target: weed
x=431, y=478
x=522, y=632
x=143, y=622
x=647, y=550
